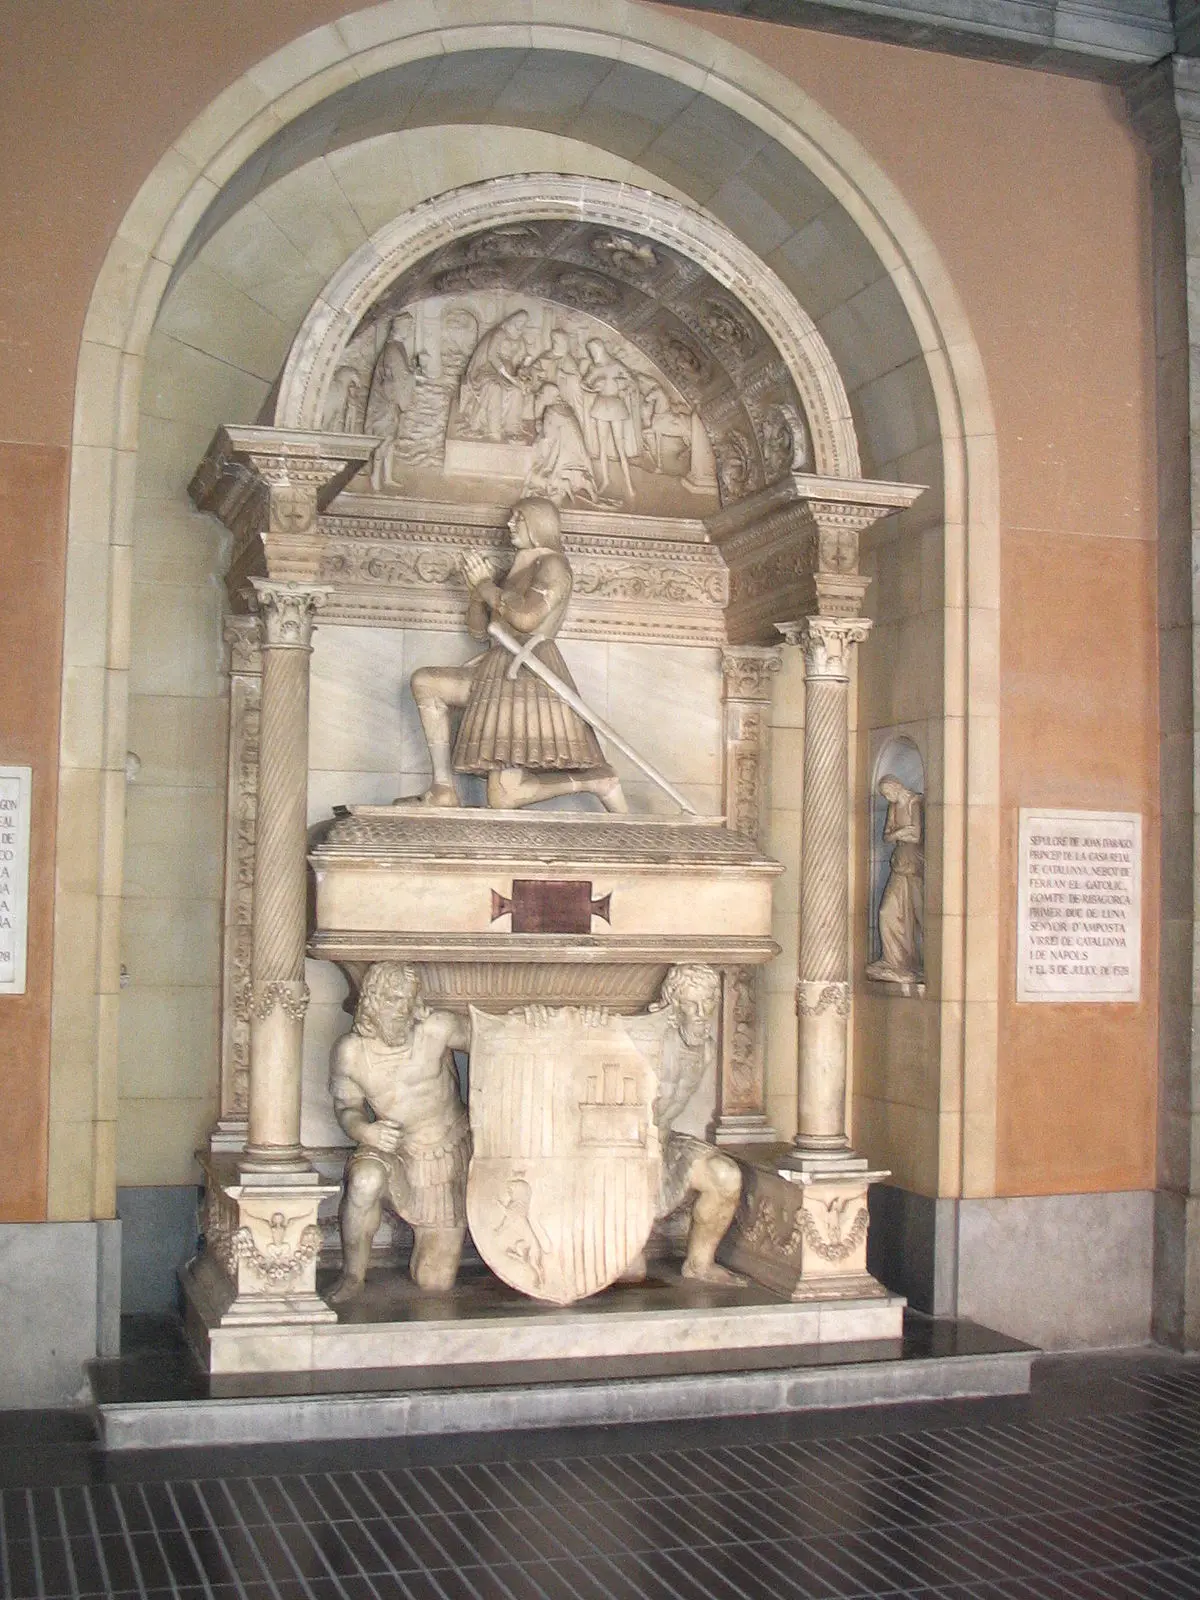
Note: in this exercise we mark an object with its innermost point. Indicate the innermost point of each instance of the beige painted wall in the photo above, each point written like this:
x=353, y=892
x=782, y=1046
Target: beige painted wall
x=1035, y=190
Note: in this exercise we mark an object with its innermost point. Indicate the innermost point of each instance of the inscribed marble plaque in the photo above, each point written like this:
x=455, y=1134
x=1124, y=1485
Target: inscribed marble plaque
x=1079, y=906
x=15, y=784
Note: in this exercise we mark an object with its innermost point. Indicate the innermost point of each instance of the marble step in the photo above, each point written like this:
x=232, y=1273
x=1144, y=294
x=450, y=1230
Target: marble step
x=161, y=1399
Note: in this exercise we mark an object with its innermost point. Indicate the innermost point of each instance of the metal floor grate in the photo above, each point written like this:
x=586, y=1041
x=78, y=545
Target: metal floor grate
x=1088, y=1506
x=1087, y=1488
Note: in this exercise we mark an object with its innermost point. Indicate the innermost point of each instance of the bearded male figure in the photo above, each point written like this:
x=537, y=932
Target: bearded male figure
x=395, y=1092
x=685, y=1017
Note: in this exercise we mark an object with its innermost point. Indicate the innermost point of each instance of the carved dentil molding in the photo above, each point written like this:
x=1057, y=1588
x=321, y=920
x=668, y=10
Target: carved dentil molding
x=287, y=612
x=826, y=643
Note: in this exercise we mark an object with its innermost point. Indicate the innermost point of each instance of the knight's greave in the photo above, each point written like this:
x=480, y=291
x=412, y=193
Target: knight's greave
x=435, y=721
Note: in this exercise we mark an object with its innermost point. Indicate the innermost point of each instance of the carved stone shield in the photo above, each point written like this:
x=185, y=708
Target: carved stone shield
x=564, y=1179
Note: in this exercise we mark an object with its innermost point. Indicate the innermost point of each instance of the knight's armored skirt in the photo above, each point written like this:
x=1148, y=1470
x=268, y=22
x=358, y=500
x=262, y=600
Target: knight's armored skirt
x=522, y=723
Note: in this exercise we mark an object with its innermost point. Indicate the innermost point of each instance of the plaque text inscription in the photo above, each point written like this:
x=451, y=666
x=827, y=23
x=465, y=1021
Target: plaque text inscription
x=1079, y=906
x=15, y=785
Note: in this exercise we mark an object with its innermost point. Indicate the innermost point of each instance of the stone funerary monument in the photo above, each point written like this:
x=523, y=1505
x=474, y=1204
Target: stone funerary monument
x=555, y=472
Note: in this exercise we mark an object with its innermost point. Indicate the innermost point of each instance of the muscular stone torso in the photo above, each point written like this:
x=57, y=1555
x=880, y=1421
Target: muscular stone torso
x=681, y=1069
x=413, y=1086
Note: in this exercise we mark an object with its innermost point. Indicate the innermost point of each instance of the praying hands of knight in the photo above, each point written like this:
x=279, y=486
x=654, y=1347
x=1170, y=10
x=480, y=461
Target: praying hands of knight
x=477, y=570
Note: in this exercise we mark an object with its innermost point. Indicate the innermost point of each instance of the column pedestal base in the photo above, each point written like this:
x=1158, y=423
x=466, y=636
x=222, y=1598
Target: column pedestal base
x=804, y=1234
x=820, y=1163
x=749, y=1127
x=266, y=1178
x=262, y=1242
x=229, y=1136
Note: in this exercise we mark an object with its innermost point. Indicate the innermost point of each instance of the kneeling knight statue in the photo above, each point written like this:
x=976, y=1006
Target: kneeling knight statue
x=517, y=731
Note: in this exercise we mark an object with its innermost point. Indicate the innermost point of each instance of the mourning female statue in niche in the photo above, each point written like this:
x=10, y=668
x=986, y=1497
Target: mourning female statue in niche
x=902, y=906
x=515, y=731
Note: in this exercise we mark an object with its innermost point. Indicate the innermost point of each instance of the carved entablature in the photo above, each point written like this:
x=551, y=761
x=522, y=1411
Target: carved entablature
x=793, y=550
x=268, y=485
x=296, y=507
x=396, y=563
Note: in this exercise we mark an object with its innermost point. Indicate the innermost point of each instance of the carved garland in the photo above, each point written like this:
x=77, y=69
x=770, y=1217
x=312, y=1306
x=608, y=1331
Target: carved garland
x=765, y=1225
x=280, y=1262
x=828, y=996
x=837, y=1247
x=291, y=997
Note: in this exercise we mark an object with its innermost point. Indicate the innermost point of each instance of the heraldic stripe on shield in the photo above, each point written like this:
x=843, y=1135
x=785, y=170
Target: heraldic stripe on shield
x=564, y=1179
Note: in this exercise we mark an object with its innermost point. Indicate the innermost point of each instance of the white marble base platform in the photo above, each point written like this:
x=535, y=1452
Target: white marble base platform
x=590, y=1402
x=393, y=1327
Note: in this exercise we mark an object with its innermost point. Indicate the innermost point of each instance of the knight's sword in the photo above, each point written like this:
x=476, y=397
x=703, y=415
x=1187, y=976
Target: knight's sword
x=524, y=657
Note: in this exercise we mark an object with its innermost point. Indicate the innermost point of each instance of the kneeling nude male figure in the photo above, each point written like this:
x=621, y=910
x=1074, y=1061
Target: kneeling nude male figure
x=515, y=731
x=395, y=1092
x=685, y=1017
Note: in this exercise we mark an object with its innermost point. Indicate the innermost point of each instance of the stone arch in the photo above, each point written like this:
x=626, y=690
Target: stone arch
x=364, y=277
x=217, y=163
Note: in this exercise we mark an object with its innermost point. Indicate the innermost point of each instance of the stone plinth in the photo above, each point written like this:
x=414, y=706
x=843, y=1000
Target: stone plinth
x=556, y=908
x=803, y=1234
x=482, y=1321
x=262, y=1245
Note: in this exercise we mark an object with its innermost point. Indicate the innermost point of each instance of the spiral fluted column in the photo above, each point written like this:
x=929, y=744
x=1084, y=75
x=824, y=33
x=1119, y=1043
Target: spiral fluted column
x=279, y=995
x=823, y=983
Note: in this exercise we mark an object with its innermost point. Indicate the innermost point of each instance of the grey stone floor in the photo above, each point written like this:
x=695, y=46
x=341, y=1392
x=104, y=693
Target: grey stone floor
x=1088, y=1487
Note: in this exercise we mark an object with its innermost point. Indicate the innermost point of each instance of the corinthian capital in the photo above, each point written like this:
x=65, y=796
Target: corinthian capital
x=287, y=612
x=826, y=642
x=748, y=670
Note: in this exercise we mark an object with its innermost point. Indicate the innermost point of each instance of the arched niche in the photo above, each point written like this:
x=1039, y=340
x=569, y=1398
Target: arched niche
x=830, y=204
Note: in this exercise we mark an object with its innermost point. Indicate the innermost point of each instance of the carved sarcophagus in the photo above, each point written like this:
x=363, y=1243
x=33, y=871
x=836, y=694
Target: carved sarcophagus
x=555, y=908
